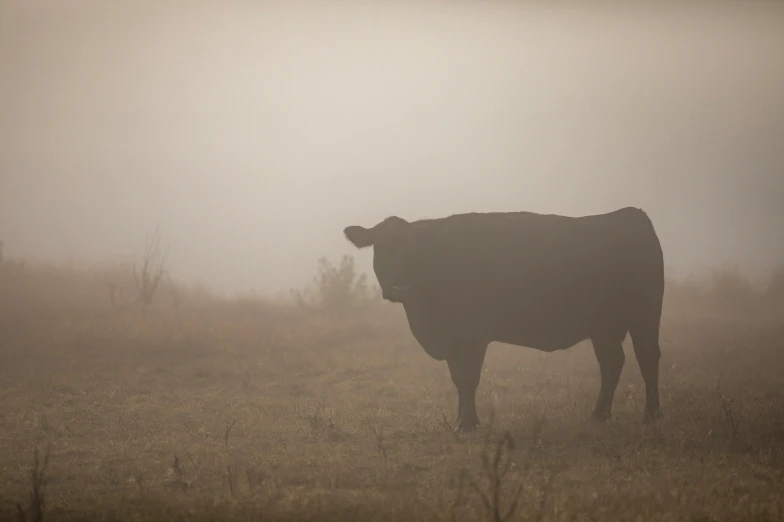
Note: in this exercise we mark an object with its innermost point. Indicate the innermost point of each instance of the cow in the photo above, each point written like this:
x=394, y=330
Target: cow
x=542, y=281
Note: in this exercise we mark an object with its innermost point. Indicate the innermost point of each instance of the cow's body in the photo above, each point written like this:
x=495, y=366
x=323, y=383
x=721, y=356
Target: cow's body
x=540, y=281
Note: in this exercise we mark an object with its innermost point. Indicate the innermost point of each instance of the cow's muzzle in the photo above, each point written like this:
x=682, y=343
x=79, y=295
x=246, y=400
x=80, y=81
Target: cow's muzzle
x=396, y=293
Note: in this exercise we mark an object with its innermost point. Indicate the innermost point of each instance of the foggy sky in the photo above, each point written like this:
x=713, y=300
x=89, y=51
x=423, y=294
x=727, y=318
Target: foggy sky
x=254, y=132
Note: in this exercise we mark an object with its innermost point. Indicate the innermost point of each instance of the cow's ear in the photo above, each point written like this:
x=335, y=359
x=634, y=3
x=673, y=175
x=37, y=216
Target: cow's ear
x=360, y=237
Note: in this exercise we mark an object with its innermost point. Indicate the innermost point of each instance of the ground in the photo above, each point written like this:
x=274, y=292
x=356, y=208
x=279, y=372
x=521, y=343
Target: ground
x=241, y=410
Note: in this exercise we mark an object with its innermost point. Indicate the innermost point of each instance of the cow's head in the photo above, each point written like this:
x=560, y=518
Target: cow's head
x=392, y=241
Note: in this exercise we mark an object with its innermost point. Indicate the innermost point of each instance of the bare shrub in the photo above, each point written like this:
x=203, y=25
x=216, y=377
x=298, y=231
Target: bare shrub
x=774, y=293
x=378, y=434
x=142, y=284
x=726, y=292
x=37, y=485
x=152, y=270
x=731, y=289
x=336, y=289
x=495, y=473
x=320, y=419
x=731, y=416
x=177, y=482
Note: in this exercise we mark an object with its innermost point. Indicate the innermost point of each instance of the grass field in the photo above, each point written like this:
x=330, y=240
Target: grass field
x=244, y=410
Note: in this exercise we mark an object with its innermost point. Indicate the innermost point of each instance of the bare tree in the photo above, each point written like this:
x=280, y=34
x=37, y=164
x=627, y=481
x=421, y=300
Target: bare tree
x=152, y=271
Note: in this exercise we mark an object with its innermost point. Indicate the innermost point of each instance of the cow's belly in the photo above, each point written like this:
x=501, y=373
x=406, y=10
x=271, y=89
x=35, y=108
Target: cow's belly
x=536, y=327
x=439, y=335
x=545, y=340
x=545, y=322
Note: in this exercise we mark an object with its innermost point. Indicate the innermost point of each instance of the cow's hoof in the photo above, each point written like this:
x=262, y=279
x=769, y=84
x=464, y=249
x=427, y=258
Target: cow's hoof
x=652, y=417
x=465, y=426
x=601, y=415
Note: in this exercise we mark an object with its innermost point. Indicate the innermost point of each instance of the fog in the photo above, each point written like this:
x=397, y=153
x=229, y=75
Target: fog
x=253, y=132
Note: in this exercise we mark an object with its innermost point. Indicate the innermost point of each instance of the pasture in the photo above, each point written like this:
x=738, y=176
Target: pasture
x=207, y=408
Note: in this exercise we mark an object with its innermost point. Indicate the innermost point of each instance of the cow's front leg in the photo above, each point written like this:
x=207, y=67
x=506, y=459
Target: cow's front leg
x=465, y=366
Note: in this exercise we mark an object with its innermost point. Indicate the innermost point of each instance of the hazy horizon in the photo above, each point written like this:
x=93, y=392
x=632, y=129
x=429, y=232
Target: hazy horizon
x=253, y=133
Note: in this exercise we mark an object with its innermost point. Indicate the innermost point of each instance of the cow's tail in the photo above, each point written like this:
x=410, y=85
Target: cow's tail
x=647, y=309
x=648, y=280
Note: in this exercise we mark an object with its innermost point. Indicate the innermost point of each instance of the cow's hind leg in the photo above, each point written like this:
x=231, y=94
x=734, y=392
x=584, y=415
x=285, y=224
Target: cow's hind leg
x=609, y=353
x=645, y=337
x=465, y=367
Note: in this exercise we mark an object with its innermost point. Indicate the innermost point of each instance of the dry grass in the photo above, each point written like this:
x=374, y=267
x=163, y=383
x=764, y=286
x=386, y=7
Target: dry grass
x=221, y=409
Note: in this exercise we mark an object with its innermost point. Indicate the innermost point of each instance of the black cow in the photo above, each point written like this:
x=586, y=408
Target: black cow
x=541, y=281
